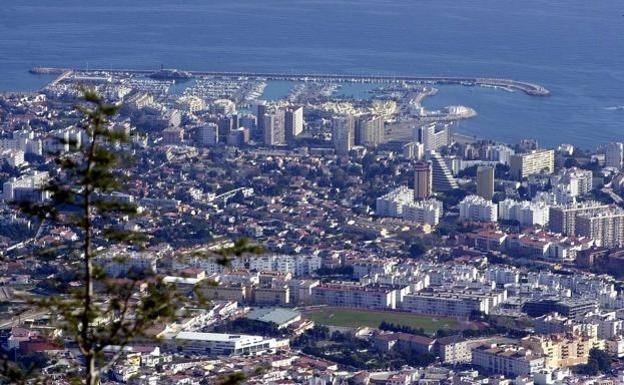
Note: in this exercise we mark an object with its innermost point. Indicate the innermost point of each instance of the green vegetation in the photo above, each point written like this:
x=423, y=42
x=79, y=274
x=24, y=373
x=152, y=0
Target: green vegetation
x=599, y=362
x=88, y=175
x=249, y=326
x=354, y=352
x=357, y=318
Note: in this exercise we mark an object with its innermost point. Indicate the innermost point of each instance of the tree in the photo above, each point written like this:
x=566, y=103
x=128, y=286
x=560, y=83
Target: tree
x=600, y=359
x=116, y=313
x=417, y=249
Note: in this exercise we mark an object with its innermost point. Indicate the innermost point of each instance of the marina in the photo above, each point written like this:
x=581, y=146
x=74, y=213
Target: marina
x=508, y=84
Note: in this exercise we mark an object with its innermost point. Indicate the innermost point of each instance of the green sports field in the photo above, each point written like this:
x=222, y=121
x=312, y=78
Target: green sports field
x=356, y=318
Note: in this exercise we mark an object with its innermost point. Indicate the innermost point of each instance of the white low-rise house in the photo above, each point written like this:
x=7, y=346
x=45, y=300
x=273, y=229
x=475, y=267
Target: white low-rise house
x=475, y=208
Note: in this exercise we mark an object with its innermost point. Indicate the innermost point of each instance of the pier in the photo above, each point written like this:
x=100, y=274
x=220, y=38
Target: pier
x=509, y=84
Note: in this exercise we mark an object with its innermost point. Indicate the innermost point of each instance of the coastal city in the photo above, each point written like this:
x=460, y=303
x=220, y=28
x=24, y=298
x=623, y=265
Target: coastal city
x=388, y=247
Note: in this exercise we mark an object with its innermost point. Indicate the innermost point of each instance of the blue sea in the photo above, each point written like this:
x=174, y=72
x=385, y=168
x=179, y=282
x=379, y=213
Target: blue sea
x=573, y=47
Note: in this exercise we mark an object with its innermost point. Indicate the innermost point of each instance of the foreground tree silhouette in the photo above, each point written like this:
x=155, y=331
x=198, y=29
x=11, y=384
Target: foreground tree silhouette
x=80, y=196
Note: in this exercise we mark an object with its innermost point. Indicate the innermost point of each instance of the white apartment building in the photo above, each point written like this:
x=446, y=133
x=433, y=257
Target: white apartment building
x=614, y=155
x=191, y=103
x=355, y=295
x=26, y=188
x=13, y=158
x=606, y=228
x=120, y=264
x=434, y=136
x=525, y=212
x=500, y=153
x=444, y=304
x=423, y=212
x=208, y=134
x=475, y=208
x=413, y=150
x=400, y=203
x=511, y=361
x=577, y=181
x=298, y=265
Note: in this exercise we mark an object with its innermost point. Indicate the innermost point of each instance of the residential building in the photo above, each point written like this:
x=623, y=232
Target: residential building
x=562, y=219
x=413, y=150
x=425, y=212
x=577, y=182
x=562, y=350
x=273, y=126
x=26, y=188
x=238, y=137
x=275, y=295
x=343, y=134
x=454, y=349
x=216, y=344
x=369, y=131
x=293, y=123
x=400, y=203
x=434, y=136
x=525, y=212
x=190, y=103
x=485, y=182
x=355, y=295
x=500, y=153
x=208, y=134
x=442, y=177
x=453, y=302
x=511, y=361
x=122, y=264
x=606, y=227
x=173, y=135
x=475, y=208
x=614, y=155
x=423, y=180
x=535, y=162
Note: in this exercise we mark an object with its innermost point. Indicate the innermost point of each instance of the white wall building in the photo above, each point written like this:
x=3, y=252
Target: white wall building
x=298, y=265
x=400, y=203
x=500, y=153
x=216, y=344
x=208, y=134
x=525, y=212
x=27, y=188
x=511, y=361
x=614, y=155
x=475, y=208
x=121, y=264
